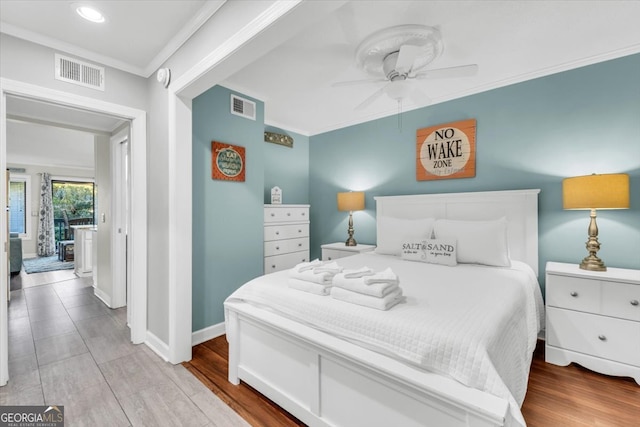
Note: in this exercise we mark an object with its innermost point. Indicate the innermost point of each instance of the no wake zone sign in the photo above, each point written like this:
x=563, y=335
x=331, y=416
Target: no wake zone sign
x=446, y=151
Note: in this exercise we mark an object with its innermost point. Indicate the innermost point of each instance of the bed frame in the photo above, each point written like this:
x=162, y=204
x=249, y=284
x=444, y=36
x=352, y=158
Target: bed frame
x=325, y=381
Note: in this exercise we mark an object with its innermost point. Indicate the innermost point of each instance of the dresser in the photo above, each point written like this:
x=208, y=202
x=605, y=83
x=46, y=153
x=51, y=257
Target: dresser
x=340, y=250
x=286, y=236
x=593, y=319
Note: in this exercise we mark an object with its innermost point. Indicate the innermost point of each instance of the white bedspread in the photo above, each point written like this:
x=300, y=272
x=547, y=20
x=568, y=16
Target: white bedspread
x=476, y=324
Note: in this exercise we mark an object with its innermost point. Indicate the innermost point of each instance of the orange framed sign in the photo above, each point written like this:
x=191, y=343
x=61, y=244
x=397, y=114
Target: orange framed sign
x=227, y=162
x=446, y=151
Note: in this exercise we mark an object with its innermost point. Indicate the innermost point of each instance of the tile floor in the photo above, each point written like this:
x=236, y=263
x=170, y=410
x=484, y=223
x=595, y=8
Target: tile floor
x=67, y=348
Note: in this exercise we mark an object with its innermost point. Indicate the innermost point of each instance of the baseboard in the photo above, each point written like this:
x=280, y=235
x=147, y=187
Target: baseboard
x=208, y=333
x=157, y=345
x=103, y=296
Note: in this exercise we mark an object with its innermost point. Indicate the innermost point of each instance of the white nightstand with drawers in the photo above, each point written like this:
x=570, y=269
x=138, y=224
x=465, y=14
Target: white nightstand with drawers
x=593, y=319
x=340, y=250
x=286, y=236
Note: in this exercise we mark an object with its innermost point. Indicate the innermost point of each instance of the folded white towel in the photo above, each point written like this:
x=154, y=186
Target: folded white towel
x=329, y=267
x=358, y=285
x=359, y=272
x=314, y=288
x=308, y=275
x=385, y=276
x=304, y=266
x=384, y=303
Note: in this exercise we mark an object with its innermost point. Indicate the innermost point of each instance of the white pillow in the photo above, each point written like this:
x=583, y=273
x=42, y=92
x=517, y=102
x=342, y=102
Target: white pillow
x=478, y=242
x=442, y=251
x=392, y=232
x=414, y=250
x=433, y=251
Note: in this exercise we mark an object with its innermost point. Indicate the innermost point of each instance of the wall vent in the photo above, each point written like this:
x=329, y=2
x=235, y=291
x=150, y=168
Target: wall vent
x=81, y=73
x=243, y=107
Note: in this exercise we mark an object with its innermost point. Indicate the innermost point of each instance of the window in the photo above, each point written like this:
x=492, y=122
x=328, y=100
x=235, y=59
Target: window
x=73, y=204
x=20, y=205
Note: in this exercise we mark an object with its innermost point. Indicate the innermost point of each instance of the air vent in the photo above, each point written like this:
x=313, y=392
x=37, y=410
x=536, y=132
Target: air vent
x=243, y=107
x=81, y=73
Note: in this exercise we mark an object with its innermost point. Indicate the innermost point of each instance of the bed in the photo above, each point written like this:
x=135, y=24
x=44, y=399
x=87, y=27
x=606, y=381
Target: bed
x=455, y=352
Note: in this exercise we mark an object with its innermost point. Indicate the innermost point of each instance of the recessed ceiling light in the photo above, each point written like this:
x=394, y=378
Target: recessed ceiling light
x=90, y=13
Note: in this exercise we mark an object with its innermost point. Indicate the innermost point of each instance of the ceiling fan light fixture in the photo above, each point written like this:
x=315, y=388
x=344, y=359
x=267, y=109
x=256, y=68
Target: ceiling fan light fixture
x=89, y=13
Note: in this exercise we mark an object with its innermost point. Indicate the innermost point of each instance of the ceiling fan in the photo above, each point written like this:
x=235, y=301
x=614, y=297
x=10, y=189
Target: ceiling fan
x=395, y=56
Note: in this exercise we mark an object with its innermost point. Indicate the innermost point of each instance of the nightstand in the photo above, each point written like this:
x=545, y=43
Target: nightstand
x=340, y=250
x=593, y=319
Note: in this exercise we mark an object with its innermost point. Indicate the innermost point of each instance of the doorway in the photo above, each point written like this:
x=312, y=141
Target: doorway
x=138, y=207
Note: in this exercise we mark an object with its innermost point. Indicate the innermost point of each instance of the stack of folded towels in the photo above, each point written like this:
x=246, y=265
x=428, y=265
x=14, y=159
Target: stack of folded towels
x=365, y=287
x=315, y=276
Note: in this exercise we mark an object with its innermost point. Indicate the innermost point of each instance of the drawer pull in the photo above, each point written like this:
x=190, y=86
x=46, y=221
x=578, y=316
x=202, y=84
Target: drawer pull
x=299, y=231
x=273, y=214
x=329, y=258
x=277, y=248
x=300, y=245
x=273, y=266
x=634, y=302
x=277, y=233
x=602, y=338
x=302, y=213
x=288, y=213
x=574, y=294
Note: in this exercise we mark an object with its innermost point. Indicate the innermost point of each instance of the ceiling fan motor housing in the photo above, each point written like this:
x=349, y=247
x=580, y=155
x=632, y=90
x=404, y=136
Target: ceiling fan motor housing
x=377, y=54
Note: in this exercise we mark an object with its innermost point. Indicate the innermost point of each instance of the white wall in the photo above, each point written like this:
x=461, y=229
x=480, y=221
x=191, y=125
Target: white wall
x=31, y=63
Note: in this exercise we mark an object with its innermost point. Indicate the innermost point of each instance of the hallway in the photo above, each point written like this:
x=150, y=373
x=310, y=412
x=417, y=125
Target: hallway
x=67, y=348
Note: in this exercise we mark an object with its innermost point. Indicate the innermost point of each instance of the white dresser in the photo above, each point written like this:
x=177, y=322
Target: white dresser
x=593, y=318
x=286, y=236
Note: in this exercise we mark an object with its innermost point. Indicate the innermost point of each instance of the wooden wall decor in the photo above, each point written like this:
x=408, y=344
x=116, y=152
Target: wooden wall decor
x=227, y=162
x=446, y=151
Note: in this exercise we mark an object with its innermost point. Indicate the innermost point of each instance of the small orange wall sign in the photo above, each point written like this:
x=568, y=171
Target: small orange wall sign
x=227, y=162
x=446, y=151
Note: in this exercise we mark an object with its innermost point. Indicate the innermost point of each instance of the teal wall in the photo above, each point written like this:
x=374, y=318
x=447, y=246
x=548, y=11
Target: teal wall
x=227, y=216
x=287, y=168
x=529, y=135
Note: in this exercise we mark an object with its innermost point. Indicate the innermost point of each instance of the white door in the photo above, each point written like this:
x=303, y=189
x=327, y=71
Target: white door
x=120, y=214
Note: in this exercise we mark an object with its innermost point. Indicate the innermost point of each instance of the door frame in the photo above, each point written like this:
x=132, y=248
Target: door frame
x=138, y=231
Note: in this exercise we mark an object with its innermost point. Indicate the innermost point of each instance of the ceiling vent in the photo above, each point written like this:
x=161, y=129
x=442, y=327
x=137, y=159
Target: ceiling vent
x=81, y=73
x=243, y=107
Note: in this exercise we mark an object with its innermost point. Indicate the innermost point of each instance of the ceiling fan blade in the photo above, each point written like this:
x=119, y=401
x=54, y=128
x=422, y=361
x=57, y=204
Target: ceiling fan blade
x=357, y=82
x=406, y=57
x=364, y=104
x=449, y=72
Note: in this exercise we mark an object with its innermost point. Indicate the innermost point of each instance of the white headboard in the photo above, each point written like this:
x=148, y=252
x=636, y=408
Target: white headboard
x=520, y=207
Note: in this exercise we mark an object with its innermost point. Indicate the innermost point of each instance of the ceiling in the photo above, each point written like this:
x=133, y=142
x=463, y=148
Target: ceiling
x=510, y=41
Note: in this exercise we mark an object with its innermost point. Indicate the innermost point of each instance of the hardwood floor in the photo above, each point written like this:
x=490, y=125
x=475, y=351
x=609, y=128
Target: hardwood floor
x=557, y=396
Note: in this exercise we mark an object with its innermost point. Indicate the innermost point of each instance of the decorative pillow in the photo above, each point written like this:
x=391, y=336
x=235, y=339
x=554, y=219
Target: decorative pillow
x=442, y=251
x=434, y=251
x=478, y=242
x=414, y=250
x=392, y=232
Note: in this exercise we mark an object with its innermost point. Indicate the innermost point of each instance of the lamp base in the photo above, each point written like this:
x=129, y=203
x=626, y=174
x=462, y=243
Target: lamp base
x=593, y=263
x=351, y=242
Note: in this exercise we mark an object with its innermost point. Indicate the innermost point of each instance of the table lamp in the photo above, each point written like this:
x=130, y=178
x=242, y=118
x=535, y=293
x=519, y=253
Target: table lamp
x=351, y=201
x=591, y=192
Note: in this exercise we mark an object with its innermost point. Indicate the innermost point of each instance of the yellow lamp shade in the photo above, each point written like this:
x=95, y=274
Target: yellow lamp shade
x=610, y=191
x=351, y=201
